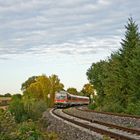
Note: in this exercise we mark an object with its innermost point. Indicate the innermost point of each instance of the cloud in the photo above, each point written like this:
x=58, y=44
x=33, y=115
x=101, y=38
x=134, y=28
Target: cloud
x=72, y=27
x=89, y=46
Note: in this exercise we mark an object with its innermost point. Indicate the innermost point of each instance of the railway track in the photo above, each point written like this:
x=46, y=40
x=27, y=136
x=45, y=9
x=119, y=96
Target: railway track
x=108, y=113
x=113, y=131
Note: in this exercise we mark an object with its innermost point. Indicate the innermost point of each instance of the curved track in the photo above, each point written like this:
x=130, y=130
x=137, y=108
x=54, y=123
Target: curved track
x=108, y=113
x=113, y=131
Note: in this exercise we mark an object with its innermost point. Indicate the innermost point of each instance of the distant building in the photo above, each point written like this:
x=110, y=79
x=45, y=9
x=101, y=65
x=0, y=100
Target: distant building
x=5, y=101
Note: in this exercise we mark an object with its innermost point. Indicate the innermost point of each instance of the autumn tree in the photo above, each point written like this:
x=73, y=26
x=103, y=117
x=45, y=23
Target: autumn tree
x=28, y=82
x=55, y=86
x=44, y=88
x=88, y=89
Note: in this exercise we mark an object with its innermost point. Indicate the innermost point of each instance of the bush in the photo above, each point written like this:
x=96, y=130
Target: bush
x=35, y=110
x=7, y=126
x=92, y=106
x=16, y=108
x=133, y=108
x=113, y=107
x=29, y=131
x=23, y=110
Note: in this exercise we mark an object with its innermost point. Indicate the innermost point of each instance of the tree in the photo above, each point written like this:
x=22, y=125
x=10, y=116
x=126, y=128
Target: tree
x=130, y=65
x=72, y=90
x=7, y=95
x=96, y=75
x=88, y=89
x=55, y=86
x=117, y=80
x=43, y=87
x=28, y=82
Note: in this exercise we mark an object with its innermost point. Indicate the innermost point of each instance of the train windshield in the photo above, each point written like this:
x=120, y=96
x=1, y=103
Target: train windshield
x=60, y=96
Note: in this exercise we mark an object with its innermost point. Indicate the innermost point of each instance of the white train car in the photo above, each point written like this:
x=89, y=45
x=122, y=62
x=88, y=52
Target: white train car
x=63, y=99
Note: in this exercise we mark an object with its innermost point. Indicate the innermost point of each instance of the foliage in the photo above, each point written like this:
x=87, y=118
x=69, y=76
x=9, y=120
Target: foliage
x=24, y=108
x=29, y=131
x=72, y=90
x=16, y=108
x=88, y=89
x=55, y=86
x=28, y=82
x=35, y=109
x=133, y=108
x=52, y=136
x=7, y=126
x=44, y=88
x=105, y=137
x=6, y=95
x=96, y=76
x=92, y=106
x=117, y=80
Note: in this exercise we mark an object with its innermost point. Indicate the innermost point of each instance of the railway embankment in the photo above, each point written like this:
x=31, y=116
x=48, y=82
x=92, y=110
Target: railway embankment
x=92, y=125
x=66, y=130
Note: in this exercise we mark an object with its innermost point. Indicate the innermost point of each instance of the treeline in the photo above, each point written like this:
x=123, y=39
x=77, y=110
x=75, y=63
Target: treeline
x=5, y=95
x=23, y=119
x=117, y=79
x=38, y=95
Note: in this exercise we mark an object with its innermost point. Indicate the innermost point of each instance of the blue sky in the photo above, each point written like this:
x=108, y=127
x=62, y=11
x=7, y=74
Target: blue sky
x=62, y=37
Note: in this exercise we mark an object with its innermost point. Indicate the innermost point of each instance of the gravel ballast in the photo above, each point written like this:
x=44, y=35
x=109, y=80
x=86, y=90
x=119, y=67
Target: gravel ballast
x=122, y=121
x=67, y=131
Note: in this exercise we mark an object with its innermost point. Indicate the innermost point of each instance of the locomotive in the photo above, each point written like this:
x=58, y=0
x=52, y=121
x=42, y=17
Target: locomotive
x=65, y=99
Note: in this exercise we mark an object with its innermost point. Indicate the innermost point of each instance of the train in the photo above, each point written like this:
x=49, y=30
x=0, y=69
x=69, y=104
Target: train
x=65, y=99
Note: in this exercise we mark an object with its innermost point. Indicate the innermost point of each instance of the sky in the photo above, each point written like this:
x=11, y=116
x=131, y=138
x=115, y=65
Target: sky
x=62, y=37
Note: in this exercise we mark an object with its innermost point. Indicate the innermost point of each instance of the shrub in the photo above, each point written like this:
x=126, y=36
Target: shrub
x=7, y=126
x=29, y=131
x=92, y=106
x=133, y=108
x=16, y=108
x=36, y=109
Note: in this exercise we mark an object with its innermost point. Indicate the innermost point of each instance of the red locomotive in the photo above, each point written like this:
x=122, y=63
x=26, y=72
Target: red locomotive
x=64, y=99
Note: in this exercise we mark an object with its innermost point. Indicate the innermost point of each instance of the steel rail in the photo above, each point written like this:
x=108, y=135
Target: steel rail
x=95, y=129
x=130, y=130
x=110, y=113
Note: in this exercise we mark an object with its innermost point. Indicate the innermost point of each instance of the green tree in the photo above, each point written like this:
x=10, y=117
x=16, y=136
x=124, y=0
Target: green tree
x=72, y=90
x=130, y=64
x=96, y=76
x=7, y=95
x=117, y=80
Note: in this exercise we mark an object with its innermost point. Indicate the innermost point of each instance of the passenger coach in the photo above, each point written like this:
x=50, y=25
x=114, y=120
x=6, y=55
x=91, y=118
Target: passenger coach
x=64, y=99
